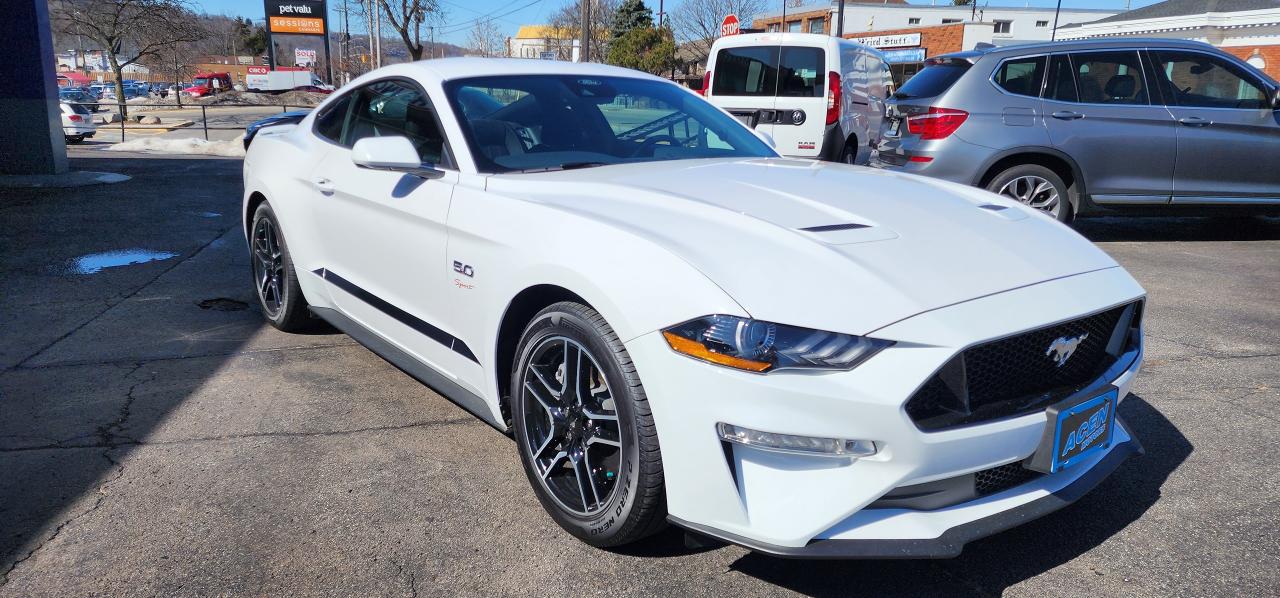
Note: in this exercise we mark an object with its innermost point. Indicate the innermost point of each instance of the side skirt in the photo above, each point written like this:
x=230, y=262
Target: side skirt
x=473, y=403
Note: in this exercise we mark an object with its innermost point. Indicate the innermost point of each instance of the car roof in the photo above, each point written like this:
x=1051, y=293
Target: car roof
x=1067, y=46
x=458, y=68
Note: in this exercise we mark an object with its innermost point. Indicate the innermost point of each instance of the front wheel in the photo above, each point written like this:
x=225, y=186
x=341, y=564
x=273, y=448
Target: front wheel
x=584, y=430
x=274, y=278
x=1035, y=186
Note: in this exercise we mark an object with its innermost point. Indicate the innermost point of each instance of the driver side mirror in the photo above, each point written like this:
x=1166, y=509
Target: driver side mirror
x=1275, y=99
x=392, y=154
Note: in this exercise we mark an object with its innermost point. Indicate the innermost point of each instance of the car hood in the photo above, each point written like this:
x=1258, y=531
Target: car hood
x=821, y=245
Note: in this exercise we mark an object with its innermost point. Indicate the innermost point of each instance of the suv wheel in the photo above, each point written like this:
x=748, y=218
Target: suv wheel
x=1035, y=186
x=584, y=430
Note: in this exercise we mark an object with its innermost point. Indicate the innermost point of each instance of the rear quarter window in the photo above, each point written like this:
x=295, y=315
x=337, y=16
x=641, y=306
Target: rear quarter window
x=933, y=80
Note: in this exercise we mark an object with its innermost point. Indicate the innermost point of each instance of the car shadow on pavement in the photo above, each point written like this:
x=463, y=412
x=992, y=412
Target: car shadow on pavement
x=86, y=349
x=989, y=566
x=1162, y=228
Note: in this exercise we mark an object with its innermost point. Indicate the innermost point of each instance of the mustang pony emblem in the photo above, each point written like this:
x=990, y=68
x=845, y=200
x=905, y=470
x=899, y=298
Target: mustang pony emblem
x=1060, y=349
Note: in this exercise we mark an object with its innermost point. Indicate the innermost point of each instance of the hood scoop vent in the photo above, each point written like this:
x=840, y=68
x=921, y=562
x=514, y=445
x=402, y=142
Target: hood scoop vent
x=827, y=228
x=847, y=233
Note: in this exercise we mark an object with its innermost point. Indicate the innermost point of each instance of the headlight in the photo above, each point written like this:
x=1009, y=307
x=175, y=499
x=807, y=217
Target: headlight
x=757, y=346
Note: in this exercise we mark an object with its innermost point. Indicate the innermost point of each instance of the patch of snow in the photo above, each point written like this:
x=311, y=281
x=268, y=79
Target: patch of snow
x=233, y=148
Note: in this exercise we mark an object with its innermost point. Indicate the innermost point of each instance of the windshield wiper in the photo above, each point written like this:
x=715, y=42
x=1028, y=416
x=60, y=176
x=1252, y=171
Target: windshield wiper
x=566, y=166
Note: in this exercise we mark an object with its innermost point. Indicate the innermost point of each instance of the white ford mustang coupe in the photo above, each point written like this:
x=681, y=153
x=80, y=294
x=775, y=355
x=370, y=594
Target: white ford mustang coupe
x=678, y=326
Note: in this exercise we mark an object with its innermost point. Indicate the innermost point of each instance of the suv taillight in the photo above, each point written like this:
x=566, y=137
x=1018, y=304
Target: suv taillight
x=938, y=123
x=75, y=118
x=706, y=84
x=833, y=97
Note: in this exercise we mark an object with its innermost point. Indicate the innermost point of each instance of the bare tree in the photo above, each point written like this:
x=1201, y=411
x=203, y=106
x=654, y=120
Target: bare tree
x=127, y=30
x=485, y=39
x=408, y=18
x=697, y=22
x=566, y=25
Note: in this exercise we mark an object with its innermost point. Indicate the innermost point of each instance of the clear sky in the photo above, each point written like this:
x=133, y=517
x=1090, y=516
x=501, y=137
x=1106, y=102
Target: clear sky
x=460, y=13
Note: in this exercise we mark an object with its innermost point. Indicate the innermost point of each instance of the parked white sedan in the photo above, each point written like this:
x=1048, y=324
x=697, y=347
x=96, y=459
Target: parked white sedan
x=677, y=325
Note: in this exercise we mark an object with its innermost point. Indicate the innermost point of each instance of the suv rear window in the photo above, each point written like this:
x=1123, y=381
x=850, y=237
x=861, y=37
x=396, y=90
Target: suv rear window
x=770, y=70
x=933, y=80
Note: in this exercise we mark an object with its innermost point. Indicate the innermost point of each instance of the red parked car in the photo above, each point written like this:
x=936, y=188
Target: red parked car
x=208, y=84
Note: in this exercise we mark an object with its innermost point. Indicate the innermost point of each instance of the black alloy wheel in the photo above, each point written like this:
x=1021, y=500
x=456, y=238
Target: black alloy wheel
x=571, y=425
x=583, y=428
x=274, y=279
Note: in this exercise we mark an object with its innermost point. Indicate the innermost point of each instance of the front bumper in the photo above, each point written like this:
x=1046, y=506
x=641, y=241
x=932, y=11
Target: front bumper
x=817, y=506
x=951, y=542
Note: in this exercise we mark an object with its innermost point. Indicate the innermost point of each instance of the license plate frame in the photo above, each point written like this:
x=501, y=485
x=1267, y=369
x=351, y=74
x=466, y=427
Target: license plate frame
x=1075, y=430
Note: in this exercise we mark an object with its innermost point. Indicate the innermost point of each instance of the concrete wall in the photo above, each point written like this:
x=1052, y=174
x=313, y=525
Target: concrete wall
x=31, y=140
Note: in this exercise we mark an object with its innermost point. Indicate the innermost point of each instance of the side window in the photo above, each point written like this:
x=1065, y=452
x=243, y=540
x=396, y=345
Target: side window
x=750, y=71
x=329, y=122
x=1062, y=84
x=388, y=108
x=1199, y=80
x=1109, y=78
x=1021, y=76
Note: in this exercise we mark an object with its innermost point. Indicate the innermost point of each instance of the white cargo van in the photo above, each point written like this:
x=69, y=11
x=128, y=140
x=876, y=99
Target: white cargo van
x=818, y=96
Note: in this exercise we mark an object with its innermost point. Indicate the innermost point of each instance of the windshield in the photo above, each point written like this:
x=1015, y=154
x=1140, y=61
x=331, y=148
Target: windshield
x=551, y=122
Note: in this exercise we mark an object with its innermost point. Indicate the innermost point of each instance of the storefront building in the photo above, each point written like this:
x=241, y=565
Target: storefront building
x=911, y=33
x=1250, y=29
x=906, y=49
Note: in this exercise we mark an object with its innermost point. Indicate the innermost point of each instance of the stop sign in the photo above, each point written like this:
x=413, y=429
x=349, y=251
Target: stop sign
x=729, y=26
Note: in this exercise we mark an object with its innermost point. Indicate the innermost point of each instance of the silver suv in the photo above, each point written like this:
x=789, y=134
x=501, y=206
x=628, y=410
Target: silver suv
x=1080, y=127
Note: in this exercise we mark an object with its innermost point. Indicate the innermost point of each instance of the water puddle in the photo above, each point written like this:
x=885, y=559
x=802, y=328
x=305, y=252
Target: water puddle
x=94, y=263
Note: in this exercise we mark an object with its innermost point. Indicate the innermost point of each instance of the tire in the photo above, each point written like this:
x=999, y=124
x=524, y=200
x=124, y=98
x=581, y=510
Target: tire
x=562, y=431
x=849, y=155
x=1035, y=186
x=75, y=139
x=275, y=281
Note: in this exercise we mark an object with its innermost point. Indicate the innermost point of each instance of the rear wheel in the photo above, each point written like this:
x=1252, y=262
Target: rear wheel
x=584, y=430
x=1035, y=186
x=274, y=278
x=849, y=155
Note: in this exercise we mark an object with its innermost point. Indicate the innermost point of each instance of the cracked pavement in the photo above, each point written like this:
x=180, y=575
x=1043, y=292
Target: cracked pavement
x=151, y=446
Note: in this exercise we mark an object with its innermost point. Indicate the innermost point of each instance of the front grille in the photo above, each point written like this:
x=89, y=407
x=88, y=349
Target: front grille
x=1017, y=375
x=1004, y=477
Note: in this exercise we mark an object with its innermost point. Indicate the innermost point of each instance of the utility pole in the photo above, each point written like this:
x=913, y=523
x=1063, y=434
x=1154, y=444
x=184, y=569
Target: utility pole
x=584, y=51
x=840, y=21
x=376, y=33
x=1053, y=36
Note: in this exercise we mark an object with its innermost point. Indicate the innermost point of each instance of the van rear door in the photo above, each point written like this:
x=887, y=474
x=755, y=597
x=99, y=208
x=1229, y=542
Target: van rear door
x=744, y=81
x=800, y=109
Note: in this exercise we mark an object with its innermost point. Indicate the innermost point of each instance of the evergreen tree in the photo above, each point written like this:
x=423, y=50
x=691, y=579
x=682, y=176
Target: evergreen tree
x=632, y=14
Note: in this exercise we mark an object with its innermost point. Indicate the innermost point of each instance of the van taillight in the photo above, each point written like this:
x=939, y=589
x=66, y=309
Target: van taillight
x=833, y=97
x=938, y=123
x=706, y=84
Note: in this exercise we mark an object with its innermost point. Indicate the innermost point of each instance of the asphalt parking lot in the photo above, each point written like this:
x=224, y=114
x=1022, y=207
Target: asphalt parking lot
x=156, y=438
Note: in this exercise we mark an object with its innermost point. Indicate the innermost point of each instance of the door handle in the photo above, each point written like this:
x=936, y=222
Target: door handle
x=323, y=185
x=1195, y=121
x=1066, y=115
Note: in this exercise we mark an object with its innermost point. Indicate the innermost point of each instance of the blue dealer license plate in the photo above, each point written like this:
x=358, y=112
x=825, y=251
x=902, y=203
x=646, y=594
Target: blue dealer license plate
x=1084, y=429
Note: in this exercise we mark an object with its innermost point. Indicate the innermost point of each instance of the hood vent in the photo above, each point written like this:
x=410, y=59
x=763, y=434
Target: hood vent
x=827, y=228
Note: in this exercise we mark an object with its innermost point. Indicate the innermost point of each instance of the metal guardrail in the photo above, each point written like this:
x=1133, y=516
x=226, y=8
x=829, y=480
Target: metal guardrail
x=204, y=114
